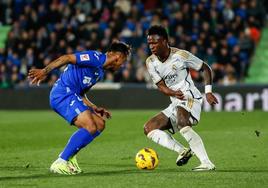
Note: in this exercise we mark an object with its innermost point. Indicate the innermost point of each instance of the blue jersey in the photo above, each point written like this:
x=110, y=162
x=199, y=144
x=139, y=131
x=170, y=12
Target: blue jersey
x=66, y=94
x=87, y=71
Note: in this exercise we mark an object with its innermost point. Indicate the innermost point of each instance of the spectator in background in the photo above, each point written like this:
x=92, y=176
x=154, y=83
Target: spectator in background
x=4, y=82
x=225, y=33
x=229, y=77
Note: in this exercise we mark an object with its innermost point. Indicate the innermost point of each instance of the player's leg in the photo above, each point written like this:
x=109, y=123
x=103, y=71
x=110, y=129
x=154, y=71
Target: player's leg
x=100, y=123
x=154, y=130
x=72, y=109
x=194, y=140
x=90, y=126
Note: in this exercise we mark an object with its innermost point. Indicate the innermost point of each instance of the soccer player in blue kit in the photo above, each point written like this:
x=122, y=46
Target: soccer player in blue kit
x=68, y=98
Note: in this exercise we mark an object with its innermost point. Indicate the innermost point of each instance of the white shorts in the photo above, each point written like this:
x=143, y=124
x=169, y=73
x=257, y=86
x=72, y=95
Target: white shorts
x=191, y=105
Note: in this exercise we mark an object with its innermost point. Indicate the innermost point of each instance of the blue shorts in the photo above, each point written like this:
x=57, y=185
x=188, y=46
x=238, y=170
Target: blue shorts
x=67, y=103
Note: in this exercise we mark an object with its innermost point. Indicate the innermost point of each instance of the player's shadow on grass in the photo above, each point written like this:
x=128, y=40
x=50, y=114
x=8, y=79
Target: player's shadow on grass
x=125, y=172
x=131, y=170
x=49, y=175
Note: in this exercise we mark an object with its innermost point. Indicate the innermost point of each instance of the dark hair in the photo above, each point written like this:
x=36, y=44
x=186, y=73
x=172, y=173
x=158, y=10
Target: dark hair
x=118, y=46
x=158, y=30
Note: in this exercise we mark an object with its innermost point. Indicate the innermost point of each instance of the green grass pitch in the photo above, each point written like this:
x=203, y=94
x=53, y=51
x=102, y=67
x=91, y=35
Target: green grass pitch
x=31, y=140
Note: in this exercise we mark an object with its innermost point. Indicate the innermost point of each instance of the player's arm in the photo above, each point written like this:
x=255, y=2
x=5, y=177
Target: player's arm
x=38, y=75
x=88, y=102
x=208, y=84
x=197, y=64
x=105, y=114
x=169, y=92
x=159, y=82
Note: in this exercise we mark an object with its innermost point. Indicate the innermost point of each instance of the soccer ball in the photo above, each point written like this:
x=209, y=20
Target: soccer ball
x=147, y=159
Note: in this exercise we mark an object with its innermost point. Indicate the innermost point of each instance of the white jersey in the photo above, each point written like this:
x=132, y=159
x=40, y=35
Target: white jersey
x=175, y=71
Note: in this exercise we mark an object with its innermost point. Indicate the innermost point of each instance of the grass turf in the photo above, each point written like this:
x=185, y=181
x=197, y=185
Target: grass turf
x=31, y=140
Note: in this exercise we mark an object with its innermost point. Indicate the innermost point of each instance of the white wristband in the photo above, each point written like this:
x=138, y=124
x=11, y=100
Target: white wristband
x=208, y=89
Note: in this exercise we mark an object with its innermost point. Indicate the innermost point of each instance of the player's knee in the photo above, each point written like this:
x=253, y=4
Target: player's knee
x=183, y=122
x=148, y=127
x=145, y=129
x=101, y=125
x=91, y=127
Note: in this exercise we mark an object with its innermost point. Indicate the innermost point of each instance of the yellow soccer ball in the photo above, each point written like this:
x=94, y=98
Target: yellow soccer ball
x=146, y=159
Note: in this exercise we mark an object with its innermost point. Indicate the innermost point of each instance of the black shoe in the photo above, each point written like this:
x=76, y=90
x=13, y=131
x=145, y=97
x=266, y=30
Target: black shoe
x=184, y=157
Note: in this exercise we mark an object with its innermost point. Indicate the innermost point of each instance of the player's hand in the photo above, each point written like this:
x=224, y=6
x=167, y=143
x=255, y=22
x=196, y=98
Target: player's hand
x=36, y=76
x=103, y=112
x=178, y=94
x=212, y=100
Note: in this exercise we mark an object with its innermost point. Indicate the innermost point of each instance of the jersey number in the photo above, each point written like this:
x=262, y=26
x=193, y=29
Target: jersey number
x=87, y=80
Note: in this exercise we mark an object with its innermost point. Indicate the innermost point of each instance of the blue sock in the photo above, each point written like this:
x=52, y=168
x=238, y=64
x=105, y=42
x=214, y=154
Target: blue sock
x=78, y=140
x=97, y=133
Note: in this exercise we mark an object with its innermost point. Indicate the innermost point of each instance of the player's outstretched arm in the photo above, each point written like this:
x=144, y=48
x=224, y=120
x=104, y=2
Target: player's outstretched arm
x=38, y=75
x=169, y=92
x=212, y=100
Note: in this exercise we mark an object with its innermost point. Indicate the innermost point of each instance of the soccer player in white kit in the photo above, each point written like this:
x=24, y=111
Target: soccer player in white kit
x=169, y=70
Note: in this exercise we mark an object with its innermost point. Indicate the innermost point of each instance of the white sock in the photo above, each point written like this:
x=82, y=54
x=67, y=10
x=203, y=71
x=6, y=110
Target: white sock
x=60, y=160
x=165, y=140
x=196, y=143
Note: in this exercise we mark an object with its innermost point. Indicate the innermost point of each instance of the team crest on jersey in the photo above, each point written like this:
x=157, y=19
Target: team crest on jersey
x=84, y=57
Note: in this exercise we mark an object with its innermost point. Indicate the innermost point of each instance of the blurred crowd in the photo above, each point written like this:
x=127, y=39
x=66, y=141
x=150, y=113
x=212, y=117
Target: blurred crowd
x=224, y=33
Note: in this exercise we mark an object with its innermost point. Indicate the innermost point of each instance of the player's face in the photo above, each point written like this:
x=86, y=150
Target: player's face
x=119, y=60
x=157, y=44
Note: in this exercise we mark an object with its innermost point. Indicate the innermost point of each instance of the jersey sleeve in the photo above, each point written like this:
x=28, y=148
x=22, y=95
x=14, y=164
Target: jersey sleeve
x=192, y=61
x=90, y=58
x=152, y=72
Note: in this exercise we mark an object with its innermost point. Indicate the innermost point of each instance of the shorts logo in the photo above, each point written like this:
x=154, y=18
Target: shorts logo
x=72, y=103
x=84, y=57
x=79, y=98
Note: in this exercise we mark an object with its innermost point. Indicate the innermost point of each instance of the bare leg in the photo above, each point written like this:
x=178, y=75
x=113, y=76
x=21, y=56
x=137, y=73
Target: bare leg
x=153, y=129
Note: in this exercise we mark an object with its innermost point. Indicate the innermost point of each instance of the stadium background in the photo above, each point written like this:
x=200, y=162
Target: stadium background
x=231, y=36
